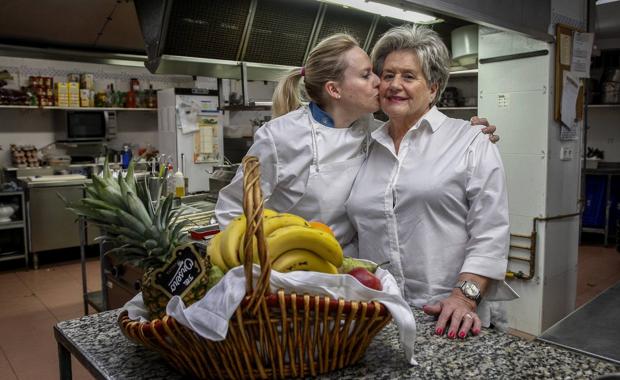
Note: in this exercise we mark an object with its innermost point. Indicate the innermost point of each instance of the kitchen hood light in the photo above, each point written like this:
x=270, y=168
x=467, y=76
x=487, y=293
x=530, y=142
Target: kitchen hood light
x=386, y=10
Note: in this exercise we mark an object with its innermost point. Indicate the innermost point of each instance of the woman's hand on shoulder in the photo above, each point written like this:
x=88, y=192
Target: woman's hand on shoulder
x=488, y=129
x=456, y=316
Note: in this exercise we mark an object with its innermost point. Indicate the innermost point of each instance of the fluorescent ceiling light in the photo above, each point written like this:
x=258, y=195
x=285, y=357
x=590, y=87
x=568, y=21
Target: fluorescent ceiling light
x=386, y=10
x=601, y=2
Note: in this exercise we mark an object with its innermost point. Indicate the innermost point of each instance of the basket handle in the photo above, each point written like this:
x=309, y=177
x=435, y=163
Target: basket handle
x=253, y=210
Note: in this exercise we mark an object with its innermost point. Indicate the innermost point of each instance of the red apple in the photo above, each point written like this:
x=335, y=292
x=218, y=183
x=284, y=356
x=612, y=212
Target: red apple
x=366, y=278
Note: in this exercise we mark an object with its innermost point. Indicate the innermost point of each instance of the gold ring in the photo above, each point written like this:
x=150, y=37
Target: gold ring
x=468, y=316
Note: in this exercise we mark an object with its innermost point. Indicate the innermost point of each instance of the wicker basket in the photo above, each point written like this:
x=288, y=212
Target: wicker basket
x=270, y=335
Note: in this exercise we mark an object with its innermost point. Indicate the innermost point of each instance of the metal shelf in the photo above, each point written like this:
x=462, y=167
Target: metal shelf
x=12, y=255
x=593, y=230
x=457, y=108
x=79, y=108
x=464, y=73
x=603, y=105
x=11, y=225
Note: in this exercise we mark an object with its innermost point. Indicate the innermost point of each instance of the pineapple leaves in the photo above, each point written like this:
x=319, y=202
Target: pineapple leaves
x=130, y=177
x=106, y=169
x=144, y=230
x=131, y=221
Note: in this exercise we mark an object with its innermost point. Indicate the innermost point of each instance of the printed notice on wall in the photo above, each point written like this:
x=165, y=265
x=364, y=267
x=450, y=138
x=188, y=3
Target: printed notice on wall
x=565, y=49
x=206, y=147
x=570, y=92
x=582, y=50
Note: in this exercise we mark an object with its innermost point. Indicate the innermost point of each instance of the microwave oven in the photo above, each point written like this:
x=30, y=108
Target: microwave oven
x=78, y=125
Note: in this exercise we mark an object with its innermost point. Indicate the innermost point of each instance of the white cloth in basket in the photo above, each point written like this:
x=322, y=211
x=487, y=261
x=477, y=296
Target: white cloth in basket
x=209, y=317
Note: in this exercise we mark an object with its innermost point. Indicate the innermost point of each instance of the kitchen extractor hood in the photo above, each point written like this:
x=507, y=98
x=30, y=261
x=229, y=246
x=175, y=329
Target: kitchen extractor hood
x=607, y=15
x=261, y=38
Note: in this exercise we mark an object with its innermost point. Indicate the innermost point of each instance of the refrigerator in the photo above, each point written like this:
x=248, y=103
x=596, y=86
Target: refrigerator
x=190, y=132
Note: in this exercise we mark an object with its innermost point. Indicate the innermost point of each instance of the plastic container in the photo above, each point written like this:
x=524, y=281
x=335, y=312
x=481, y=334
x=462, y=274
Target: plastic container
x=170, y=181
x=179, y=184
x=465, y=45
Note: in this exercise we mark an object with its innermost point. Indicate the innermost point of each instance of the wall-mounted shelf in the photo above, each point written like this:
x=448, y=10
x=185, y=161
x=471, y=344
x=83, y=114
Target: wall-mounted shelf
x=79, y=108
x=464, y=73
x=603, y=105
x=12, y=225
x=457, y=108
x=247, y=108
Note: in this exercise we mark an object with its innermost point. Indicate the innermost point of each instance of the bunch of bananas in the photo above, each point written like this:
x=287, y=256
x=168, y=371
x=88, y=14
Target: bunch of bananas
x=292, y=242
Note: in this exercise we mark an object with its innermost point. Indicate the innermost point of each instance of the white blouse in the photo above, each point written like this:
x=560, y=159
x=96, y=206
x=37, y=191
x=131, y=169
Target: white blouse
x=437, y=208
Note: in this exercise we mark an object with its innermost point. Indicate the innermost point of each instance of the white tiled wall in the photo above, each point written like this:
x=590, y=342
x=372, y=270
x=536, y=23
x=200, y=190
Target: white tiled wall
x=539, y=183
x=35, y=127
x=514, y=95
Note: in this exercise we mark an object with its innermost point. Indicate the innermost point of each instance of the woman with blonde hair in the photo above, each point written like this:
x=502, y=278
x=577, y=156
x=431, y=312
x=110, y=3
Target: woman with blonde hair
x=310, y=154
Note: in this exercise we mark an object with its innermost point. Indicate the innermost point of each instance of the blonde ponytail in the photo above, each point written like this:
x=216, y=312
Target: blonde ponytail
x=325, y=63
x=287, y=96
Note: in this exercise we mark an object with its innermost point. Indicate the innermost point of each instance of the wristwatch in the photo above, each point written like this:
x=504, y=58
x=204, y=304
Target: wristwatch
x=470, y=290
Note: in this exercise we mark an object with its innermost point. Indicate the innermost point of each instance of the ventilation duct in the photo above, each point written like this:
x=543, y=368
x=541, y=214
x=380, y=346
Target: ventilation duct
x=213, y=38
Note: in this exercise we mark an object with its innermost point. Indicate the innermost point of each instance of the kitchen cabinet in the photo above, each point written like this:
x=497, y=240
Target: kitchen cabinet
x=51, y=225
x=13, y=236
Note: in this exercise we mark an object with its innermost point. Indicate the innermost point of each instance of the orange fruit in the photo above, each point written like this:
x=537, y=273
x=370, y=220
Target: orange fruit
x=321, y=226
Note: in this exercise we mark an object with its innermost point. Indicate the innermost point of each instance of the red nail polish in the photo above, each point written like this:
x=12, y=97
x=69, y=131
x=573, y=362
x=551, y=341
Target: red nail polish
x=439, y=331
x=476, y=331
x=461, y=335
x=451, y=335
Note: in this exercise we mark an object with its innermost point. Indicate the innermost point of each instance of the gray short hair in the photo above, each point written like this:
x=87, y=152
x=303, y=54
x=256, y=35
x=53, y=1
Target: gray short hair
x=425, y=43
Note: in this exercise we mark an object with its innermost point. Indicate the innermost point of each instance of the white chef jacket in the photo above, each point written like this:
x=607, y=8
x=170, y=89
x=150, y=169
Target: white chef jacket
x=285, y=151
x=437, y=208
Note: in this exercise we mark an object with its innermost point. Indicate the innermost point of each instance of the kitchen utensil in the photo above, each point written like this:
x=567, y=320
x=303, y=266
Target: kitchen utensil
x=611, y=93
x=6, y=211
x=612, y=75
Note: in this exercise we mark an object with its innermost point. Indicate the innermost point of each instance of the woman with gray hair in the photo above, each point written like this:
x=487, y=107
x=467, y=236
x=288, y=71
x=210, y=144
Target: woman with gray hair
x=431, y=196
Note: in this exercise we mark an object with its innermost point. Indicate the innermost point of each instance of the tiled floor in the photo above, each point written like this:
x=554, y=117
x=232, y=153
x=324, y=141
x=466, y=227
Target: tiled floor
x=599, y=268
x=31, y=302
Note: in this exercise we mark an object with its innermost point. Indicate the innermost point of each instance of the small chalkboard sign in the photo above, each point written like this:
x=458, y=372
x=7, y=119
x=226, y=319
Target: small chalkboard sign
x=175, y=278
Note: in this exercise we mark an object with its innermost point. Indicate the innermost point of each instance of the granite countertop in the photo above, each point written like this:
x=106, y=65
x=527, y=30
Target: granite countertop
x=492, y=354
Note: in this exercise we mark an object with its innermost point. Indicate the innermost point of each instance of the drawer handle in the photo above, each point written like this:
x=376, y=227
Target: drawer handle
x=117, y=271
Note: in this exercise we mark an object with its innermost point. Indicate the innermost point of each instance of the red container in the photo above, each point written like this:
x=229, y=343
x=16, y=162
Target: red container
x=203, y=232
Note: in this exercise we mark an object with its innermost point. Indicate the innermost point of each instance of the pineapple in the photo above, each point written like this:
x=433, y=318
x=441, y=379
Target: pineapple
x=147, y=233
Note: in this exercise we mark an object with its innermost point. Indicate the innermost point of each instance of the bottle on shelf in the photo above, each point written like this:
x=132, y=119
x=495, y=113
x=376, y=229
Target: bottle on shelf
x=110, y=96
x=132, y=95
x=126, y=157
x=151, y=98
x=170, y=181
x=179, y=184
